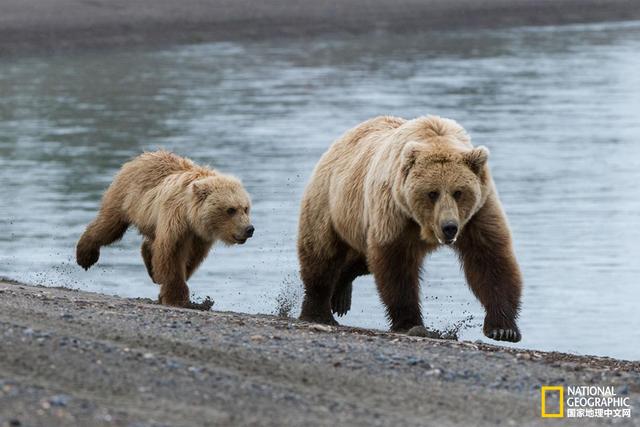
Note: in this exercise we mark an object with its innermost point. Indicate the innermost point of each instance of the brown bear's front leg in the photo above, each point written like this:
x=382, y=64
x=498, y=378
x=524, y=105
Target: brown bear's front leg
x=396, y=269
x=169, y=269
x=491, y=269
x=198, y=250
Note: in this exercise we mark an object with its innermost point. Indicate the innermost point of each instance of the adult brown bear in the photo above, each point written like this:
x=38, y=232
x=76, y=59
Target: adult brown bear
x=385, y=195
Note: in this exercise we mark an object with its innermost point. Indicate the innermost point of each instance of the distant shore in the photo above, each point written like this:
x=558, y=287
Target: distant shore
x=63, y=25
x=80, y=358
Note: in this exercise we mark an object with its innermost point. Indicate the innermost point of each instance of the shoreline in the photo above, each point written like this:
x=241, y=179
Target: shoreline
x=79, y=358
x=55, y=26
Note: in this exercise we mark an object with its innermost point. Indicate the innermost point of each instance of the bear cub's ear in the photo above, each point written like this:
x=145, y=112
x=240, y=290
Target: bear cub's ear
x=200, y=189
x=477, y=158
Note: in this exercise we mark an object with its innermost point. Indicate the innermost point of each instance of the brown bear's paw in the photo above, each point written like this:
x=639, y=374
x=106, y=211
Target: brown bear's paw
x=174, y=295
x=341, y=300
x=87, y=256
x=502, y=331
x=316, y=318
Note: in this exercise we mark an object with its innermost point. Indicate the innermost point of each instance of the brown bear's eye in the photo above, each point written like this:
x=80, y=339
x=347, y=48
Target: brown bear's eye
x=457, y=194
x=246, y=210
x=433, y=195
x=232, y=211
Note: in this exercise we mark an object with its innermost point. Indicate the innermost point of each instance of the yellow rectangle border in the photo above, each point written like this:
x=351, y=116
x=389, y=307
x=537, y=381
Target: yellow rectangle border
x=543, y=392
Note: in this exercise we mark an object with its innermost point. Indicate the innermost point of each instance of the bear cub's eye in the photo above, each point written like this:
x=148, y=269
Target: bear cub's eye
x=246, y=210
x=433, y=195
x=232, y=211
x=457, y=194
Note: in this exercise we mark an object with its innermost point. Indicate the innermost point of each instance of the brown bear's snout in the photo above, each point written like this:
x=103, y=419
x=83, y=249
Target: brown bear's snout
x=248, y=232
x=450, y=230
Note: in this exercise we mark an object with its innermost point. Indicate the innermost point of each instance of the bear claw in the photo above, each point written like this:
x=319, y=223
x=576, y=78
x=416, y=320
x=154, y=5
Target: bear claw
x=508, y=334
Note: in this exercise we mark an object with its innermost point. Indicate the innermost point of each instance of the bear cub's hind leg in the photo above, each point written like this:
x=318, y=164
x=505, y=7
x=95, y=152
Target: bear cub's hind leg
x=108, y=227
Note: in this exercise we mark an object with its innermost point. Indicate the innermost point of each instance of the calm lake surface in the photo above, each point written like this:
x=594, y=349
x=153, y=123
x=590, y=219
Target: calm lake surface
x=559, y=108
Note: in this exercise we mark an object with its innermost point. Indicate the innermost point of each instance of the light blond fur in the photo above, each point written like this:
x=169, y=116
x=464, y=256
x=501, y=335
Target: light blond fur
x=180, y=208
x=378, y=202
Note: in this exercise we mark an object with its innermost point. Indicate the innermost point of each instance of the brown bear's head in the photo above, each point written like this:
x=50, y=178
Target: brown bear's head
x=219, y=209
x=442, y=188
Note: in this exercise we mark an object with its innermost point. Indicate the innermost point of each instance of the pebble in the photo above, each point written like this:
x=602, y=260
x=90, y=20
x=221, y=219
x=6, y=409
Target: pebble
x=60, y=400
x=173, y=365
x=194, y=369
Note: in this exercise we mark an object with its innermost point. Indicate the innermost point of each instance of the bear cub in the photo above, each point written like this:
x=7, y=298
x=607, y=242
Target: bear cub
x=180, y=208
x=386, y=194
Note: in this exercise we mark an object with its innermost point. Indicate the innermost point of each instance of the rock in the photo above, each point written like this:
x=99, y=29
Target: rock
x=321, y=328
x=421, y=331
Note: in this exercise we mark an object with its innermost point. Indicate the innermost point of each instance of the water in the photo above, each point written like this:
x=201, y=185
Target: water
x=559, y=108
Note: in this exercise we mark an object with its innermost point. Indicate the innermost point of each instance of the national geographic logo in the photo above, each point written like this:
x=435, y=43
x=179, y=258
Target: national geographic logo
x=553, y=391
x=583, y=402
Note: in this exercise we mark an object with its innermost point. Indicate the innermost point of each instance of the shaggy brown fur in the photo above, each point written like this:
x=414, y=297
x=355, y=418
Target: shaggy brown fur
x=181, y=208
x=385, y=195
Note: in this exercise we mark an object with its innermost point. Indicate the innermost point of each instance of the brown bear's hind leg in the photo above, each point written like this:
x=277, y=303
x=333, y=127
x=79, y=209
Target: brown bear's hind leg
x=341, y=299
x=108, y=227
x=396, y=268
x=147, y=255
x=492, y=272
x=319, y=276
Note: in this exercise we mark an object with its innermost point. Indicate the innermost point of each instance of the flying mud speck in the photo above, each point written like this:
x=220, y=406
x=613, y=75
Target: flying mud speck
x=288, y=298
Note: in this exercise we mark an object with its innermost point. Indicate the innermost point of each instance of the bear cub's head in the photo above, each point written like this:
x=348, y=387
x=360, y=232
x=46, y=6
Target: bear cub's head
x=443, y=188
x=219, y=209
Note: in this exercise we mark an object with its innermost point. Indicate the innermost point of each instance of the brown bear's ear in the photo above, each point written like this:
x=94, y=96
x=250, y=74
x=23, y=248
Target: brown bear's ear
x=408, y=158
x=200, y=190
x=477, y=158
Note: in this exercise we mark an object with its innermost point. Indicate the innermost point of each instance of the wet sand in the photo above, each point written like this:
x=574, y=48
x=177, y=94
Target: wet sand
x=79, y=358
x=61, y=25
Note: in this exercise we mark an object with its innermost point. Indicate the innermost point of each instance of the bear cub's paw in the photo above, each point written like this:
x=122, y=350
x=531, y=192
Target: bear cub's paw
x=86, y=257
x=175, y=295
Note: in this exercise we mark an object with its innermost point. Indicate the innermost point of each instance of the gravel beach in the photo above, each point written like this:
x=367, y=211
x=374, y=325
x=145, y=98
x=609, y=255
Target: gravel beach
x=62, y=25
x=77, y=358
